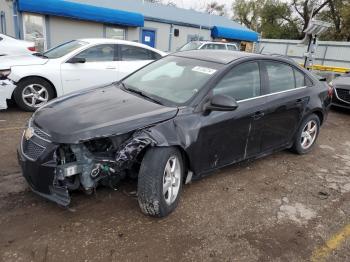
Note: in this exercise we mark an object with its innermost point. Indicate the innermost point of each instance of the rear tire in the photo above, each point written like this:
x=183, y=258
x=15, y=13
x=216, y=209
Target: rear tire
x=160, y=181
x=32, y=93
x=307, y=135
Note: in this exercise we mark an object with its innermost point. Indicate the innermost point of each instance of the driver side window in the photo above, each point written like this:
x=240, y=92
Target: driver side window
x=99, y=53
x=242, y=82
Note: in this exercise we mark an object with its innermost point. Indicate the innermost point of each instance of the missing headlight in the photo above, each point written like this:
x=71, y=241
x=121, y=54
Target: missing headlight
x=4, y=74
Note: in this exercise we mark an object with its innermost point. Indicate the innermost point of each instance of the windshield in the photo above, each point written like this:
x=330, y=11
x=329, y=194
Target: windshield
x=64, y=49
x=190, y=46
x=173, y=79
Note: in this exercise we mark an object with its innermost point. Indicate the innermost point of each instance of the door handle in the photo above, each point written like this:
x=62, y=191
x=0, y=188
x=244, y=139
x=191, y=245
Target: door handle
x=258, y=115
x=110, y=67
x=299, y=101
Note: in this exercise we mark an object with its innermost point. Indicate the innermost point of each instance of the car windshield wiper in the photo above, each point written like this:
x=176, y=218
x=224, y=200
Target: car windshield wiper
x=139, y=92
x=40, y=55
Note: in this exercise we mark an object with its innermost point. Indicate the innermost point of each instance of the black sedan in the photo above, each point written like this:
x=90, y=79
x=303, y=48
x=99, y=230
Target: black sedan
x=173, y=121
x=341, y=86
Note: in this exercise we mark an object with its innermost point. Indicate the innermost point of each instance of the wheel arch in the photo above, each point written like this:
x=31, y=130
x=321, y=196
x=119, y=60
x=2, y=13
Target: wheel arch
x=42, y=78
x=319, y=114
x=184, y=155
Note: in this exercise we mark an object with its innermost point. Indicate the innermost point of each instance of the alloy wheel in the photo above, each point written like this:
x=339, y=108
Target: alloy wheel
x=171, y=180
x=35, y=95
x=308, y=135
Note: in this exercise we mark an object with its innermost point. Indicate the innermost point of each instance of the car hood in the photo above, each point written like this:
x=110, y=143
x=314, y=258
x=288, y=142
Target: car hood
x=9, y=61
x=342, y=81
x=98, y=112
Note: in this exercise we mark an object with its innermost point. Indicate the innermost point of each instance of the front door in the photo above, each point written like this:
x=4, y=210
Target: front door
x=99, y=68
x=223, y=138
x=148, y=37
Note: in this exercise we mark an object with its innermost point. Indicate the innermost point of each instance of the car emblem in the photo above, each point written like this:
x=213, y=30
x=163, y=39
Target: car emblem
x=28, y=134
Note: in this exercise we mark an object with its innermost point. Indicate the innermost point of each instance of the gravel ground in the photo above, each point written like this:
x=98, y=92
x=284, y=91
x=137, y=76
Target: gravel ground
x=283, y=207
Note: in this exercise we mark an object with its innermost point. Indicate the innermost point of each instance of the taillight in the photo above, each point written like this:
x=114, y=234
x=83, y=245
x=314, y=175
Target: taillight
x=32, y=48
x=330, y=90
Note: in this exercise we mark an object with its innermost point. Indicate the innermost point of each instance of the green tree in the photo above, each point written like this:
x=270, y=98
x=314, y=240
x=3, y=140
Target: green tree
x=272, y=18
x=247, y=12
x=338, y=14
x=277, y=21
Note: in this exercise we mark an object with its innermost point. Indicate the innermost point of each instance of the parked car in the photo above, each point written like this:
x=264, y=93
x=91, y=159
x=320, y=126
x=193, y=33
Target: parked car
x=69, y=67
x=341, y=87
x=173, y=121
x=13, y=46
x=195, y=45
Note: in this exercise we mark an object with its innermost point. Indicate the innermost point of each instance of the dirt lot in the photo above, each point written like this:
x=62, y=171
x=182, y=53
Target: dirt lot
x=283, y=207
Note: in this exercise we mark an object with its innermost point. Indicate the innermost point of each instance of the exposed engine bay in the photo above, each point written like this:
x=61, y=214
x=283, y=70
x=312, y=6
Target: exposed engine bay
x=104, y=161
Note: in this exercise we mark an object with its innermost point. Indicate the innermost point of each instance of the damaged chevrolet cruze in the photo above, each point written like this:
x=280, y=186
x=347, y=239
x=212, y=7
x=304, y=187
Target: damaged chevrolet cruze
x=173, y=121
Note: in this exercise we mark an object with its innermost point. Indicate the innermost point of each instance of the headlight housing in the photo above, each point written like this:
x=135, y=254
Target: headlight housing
x=5, y=73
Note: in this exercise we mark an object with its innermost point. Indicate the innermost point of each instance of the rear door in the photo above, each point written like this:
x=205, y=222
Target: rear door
x=287, y=98
x=132, y=58
x=100, y=68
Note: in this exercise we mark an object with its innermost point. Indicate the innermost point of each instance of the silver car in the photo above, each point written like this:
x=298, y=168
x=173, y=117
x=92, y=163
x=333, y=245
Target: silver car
x=193, y=45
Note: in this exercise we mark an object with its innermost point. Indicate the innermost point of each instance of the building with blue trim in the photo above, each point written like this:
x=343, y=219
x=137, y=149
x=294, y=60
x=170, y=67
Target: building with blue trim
x=52, y=22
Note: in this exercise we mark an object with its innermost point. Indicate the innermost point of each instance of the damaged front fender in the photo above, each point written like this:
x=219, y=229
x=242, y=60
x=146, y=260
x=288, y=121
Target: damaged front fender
x=132, y=148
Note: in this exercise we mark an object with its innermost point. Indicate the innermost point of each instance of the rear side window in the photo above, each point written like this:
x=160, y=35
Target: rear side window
x=242, y=82
x=299, y=78
x=214, y=46
x=281, y=76
x=133, y=53
x=232, y=47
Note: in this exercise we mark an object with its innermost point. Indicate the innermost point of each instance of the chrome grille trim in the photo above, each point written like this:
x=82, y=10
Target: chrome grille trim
x=338, y=90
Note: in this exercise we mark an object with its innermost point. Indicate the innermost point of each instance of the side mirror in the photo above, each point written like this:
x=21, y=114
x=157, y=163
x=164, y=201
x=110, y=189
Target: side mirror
x=221, y=103
x=76, y=60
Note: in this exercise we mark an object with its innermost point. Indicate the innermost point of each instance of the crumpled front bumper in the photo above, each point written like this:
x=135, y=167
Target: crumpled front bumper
x=6, y=89
x=41, y=175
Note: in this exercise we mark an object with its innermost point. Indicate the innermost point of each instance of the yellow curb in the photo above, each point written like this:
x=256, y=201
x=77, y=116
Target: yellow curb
x=321, y=253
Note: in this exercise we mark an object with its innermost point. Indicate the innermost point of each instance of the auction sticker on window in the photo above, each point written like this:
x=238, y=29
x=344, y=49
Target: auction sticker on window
x=204, y=70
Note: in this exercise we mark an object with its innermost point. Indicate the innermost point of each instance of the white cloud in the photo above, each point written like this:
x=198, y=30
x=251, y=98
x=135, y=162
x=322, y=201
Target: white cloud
x=200, y=5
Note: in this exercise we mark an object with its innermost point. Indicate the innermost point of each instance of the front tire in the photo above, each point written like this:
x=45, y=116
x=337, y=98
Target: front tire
x=160, y=181
x=32, y=93
x=307, y=135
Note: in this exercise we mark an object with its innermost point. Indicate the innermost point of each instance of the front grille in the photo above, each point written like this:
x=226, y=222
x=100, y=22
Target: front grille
x=343, y=94
x=41, y=133
x=32, y=149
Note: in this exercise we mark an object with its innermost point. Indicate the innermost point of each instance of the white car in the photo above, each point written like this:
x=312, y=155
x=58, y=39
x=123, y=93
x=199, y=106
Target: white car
x=194, y=45
x=12, y=46
x=35, y=79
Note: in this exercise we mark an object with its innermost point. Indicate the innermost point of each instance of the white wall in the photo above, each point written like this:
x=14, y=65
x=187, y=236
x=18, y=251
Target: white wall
x=162, y=34
x=328, y=53
x=64, y=29
x=184, y=32
x=6, y=6
x=133, y=34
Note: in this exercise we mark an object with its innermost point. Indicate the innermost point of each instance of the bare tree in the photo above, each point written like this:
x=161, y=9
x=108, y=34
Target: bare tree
x=215, y=8
x=307, y=9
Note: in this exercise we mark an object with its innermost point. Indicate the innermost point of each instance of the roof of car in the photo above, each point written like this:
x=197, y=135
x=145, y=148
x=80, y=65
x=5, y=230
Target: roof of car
x=117, y=41
x=213, y=42
x=217, y=56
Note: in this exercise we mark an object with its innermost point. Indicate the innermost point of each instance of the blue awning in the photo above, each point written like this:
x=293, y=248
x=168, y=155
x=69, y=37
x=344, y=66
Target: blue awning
x=81, y=11
x=234, y=33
